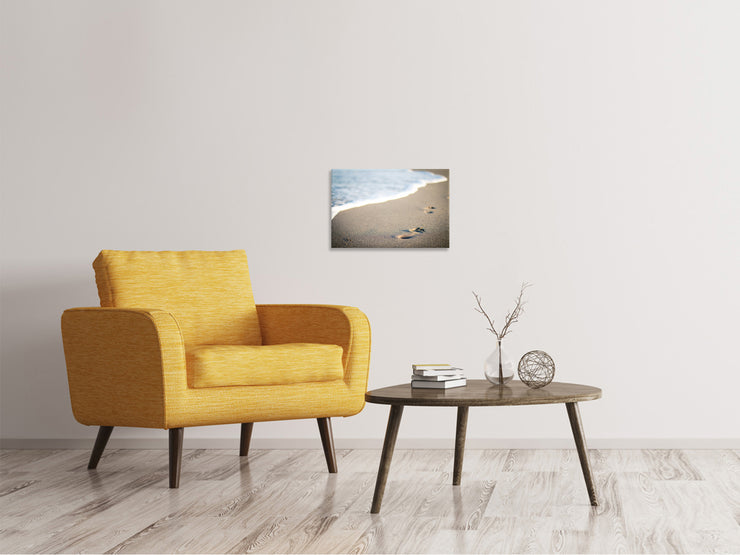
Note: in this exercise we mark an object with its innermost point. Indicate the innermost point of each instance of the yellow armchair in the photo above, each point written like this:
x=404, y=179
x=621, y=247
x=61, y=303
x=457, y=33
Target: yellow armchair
x=179, y=342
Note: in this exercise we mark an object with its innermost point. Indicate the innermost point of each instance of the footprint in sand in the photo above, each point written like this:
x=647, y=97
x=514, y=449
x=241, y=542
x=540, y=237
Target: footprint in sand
x=410, y=233
x=429, y=209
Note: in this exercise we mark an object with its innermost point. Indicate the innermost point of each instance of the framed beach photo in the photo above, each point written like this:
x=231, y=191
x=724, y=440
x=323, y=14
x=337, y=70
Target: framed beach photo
x=390, y=209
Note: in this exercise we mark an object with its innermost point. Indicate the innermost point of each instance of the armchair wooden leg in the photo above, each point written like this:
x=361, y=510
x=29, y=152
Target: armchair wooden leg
x=246, y=437
x=327, y=440
x=100, y=442
x=176, y=435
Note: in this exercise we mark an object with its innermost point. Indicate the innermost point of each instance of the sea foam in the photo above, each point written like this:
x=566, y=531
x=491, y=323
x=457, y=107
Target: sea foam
x=352, y=188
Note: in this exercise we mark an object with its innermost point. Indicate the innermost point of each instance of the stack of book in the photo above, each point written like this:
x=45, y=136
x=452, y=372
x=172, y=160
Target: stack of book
x=437, y=376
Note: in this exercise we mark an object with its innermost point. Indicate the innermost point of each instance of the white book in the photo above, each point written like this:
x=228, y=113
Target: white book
x=439, y=385
x=438, y=377
x=451, y=371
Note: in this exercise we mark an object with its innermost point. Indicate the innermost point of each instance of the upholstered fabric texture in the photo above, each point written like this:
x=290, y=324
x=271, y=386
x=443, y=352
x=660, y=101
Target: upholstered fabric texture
x=229, y=365
x=127, y=367
x=131, y=362
x=115, y=362
x=209, y=293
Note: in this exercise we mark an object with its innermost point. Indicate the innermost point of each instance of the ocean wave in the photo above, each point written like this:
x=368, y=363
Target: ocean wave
x=352, y=188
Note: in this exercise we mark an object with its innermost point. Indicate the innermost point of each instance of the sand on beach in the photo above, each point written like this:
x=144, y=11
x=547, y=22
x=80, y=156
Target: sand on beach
x=397, y=223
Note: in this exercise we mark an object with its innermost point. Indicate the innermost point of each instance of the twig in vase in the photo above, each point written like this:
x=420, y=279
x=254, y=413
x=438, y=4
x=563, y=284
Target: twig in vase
x=482, y=311
x=511, y=317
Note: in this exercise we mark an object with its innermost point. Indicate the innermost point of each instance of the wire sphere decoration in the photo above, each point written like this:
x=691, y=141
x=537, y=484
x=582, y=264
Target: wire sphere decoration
x=536, y=369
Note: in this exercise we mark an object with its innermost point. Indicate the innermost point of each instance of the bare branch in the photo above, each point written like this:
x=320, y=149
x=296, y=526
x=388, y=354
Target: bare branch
x=518, y=310
x=482, y=311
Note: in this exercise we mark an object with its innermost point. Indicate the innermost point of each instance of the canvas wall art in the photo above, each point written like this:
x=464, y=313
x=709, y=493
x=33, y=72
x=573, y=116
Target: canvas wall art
x=390, y=209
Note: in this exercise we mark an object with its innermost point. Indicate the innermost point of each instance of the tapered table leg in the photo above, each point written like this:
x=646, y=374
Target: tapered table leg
x=462, y=425
x=574, y=416
x=391, y=433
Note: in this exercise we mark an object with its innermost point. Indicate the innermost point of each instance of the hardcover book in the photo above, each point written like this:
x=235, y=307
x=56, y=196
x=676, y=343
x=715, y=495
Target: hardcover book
x=449, y=384
x=437, y=377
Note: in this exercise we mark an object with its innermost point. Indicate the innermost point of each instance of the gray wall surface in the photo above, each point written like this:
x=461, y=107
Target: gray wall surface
x=593, y=150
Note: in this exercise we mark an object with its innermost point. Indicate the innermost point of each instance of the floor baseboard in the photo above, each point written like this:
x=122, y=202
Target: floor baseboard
x=363, y=443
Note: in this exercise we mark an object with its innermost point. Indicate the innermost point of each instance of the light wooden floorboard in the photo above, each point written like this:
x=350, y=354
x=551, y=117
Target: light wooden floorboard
x=285, y=501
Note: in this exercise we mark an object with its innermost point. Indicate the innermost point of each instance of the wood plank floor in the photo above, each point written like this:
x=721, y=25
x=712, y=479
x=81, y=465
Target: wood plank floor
x=510, y=501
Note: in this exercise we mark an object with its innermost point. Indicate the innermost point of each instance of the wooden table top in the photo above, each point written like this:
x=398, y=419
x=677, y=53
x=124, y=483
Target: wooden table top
x=483, y=393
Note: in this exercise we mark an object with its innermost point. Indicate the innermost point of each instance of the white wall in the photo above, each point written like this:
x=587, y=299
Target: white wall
x=593, y=149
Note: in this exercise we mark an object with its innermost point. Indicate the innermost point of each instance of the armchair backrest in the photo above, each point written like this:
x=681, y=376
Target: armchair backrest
x=209, y=292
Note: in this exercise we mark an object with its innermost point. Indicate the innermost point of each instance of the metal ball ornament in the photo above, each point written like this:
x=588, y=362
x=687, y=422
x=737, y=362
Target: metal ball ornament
x=536, y=369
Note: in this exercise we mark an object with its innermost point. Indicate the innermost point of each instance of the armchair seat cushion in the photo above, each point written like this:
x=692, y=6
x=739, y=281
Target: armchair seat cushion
x=240, y=365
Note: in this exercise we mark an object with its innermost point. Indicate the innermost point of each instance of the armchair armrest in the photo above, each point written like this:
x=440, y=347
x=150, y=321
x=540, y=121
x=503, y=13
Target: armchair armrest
x=118, y=364
x=345, y=326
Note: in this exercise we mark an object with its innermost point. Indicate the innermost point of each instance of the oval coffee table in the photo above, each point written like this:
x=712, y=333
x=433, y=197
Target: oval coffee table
x=478, y=393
